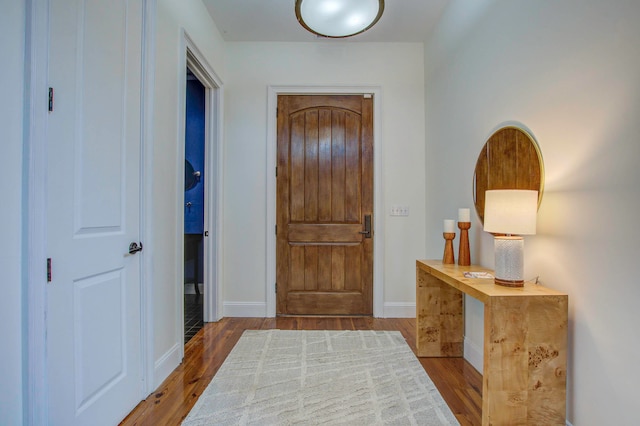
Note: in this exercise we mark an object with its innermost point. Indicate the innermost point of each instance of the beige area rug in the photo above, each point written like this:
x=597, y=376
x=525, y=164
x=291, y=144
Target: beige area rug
x=290, y=377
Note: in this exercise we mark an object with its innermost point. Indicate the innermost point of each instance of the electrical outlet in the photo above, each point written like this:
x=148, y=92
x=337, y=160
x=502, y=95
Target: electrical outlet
x=399, y=210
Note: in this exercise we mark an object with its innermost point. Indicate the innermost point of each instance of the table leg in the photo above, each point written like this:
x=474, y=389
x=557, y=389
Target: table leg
x=524, y=377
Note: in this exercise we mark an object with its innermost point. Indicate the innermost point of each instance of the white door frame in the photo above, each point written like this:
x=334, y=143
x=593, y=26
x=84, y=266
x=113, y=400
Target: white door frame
x=35, y=250
x=147, y=335
x=378, y=193
x=192, y=57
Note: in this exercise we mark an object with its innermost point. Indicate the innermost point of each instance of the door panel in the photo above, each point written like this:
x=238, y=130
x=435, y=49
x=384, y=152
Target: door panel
x=324, y=263
x=101, y=355
x=93, y=190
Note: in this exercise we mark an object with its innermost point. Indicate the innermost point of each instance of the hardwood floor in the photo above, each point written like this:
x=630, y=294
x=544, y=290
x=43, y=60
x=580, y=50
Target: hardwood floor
x=458, y=382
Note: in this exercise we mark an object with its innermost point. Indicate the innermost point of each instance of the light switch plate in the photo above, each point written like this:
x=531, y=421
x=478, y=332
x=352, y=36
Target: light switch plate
x=399, y=210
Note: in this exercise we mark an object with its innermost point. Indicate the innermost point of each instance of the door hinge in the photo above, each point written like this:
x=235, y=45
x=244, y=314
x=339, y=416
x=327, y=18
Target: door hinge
x=48, y=269
x=50, y=99
x=276, y=287
x=276, y=229
x=276, y=171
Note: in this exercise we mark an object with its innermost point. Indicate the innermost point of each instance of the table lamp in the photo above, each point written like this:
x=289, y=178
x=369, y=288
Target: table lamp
x=510, y=213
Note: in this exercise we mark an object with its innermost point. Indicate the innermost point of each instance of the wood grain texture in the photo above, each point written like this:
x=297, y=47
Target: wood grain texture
x=324, y=191
x=527, y=350
x=481, y=289
x=510, y=159
x=324, y=233
x=458, y=382
x=439, y=317
x=448, y=257
x=464, y=254
x=525, y=346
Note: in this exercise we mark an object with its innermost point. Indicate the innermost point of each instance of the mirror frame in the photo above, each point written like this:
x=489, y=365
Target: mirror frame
x=510, y=159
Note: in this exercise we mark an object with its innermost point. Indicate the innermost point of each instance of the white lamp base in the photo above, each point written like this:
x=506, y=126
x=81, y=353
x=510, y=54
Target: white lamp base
x=509, y=251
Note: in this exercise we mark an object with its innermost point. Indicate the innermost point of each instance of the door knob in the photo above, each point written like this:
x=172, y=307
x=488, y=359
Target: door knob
x=134, y=247
x=367, y=226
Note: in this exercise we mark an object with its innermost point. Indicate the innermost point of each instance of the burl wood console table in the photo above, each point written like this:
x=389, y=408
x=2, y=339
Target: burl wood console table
x=525, y=341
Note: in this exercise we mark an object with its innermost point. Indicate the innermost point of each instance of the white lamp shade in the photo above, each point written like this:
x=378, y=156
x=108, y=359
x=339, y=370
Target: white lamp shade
x=338, y=18
x=510, y=211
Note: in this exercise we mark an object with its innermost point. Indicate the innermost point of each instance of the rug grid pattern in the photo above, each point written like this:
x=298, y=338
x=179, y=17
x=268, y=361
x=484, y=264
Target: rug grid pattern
x=293, y=377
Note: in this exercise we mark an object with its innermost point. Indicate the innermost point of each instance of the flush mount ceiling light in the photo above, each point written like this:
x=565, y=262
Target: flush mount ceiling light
x=338, y=18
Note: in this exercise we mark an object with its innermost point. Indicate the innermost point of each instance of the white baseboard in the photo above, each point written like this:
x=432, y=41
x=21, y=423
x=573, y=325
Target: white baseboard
x=245, y=309
x=165, y=365
x=399, y=310
x=473, y=354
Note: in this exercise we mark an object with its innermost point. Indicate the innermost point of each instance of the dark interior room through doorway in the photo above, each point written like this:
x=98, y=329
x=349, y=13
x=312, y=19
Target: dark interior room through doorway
x=194, y=205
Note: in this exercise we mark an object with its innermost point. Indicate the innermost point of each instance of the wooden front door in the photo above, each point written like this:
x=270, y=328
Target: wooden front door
x=324, y=257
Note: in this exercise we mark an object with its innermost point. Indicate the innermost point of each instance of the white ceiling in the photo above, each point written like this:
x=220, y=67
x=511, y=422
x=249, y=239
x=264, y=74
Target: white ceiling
x=275, y=20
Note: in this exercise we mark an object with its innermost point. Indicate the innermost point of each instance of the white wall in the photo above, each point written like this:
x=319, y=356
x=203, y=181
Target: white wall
x=12, y=27
x=251, y=67
x=173, y=17
x=568, y=70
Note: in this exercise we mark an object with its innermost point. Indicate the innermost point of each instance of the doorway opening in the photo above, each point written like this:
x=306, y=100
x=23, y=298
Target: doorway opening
x=194, y=199
x=199, y=179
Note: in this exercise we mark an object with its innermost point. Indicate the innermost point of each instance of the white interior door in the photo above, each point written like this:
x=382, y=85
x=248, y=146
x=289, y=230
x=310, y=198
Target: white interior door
x=93, y=196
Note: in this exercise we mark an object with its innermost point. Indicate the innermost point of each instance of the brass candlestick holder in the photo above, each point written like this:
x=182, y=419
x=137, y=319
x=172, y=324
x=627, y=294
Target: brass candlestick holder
x=448, y=257
x=464, y=256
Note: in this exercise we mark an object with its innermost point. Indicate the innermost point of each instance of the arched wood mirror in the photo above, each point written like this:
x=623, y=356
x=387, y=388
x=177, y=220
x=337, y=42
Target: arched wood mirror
x=510, y=159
